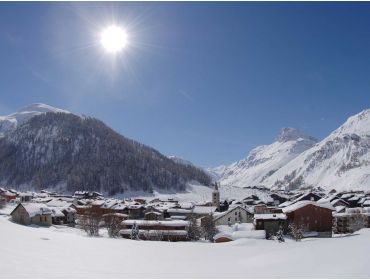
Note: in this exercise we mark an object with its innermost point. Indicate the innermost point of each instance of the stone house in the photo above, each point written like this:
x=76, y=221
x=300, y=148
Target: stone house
x=234, y=215
x=32, y=213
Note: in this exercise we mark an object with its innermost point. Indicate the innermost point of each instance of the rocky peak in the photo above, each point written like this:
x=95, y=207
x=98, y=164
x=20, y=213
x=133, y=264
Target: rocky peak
x=291, y=134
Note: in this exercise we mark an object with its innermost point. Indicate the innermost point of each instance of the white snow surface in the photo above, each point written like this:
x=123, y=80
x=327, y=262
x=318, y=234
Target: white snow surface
x=10, y=122
x=62, y=252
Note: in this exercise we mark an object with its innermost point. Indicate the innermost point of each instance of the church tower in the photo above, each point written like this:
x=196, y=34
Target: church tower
x=216, y=196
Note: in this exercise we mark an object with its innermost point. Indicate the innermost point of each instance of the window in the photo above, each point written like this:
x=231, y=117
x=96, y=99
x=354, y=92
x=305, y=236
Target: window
x=40, y=219
x=229, y=219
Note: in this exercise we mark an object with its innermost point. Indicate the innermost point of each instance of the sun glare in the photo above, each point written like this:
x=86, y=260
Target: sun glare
x=113, y=39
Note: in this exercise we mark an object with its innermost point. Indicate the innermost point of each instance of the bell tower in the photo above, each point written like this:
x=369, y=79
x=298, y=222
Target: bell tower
x=216, y=196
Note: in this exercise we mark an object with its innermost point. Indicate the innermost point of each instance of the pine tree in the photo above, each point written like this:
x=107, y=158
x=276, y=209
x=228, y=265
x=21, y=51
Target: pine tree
x=135, y=232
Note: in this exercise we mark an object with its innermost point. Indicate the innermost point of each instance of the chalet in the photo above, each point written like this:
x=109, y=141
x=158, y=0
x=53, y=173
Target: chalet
x=310, y=196
x=140, y=200
x=313, y=216
x=234, y=215
x=271, y=223
x=261, y=209
x=25, y=197
x=62, y=212
x=57, y=216
x=153, y=215
x=179, y=213
x=351, y=220
x=136, y=211
x=8, y=195
x=32, y=213
x=157, y=230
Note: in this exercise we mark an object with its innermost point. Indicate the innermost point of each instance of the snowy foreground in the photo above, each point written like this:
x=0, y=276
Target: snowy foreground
x=59, y=252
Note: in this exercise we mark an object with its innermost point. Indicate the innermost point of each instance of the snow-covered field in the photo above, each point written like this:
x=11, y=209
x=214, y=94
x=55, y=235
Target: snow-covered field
x=58, y=252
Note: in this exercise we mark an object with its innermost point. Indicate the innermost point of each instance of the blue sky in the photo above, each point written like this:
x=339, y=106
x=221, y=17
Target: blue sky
x=203, y=81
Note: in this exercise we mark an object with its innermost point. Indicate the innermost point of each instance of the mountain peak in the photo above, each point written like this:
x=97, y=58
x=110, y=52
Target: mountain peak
x=10, y=122
x=357, y=124
x=291, y=134
x=41, y=108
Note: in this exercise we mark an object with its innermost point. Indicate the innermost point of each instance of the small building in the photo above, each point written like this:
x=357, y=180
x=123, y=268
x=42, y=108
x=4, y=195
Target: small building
x=235, y=215
x=157, y=230
x=271, y=223
x=313, y=216
x=136, y=211
x=351, y=220
x=32, y=213
x=25, y=197
x=8, y=195
x=153, y=215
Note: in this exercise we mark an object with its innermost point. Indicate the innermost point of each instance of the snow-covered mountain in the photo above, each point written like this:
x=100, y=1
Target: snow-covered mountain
x=340, y=161
x=10, y=122
x=47, y=147
x=263, y=161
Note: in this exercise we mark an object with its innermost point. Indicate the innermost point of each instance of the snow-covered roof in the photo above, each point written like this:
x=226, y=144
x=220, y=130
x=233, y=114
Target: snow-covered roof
x=58, y=203
x=339, y=208
x=178, y=211
x=26, y=194
x=204, y=209
x=56, y=212
x=218, y=215
x=34, y=209
x=116, y=215
x=154, y=212
x=8, y=193
x=277, y=216
x=303, y=203
x=119, y=206
x=98, y=202
x=366, y=203
x=178, y=217
x=109, y=203
x=173, y=223
x=347, y=195
x=338, y=200
x=156, y=232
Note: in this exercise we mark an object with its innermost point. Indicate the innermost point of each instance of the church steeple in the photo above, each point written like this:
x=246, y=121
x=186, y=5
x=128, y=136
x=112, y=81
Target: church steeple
x=216, y=196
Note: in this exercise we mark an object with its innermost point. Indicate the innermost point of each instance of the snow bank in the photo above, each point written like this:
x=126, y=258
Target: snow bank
x=63, y=252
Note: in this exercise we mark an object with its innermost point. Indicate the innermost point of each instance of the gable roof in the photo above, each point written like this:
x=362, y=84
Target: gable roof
x=303, y=203
x=222, y=214
x=34, y=209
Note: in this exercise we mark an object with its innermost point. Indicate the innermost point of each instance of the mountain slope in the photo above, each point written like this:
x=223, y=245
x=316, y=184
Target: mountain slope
x=10, y=122
x=263, y=161
x=59, y=150
x=340, y=161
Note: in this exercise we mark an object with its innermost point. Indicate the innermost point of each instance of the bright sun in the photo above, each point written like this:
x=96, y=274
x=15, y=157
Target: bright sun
x=113, y=39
